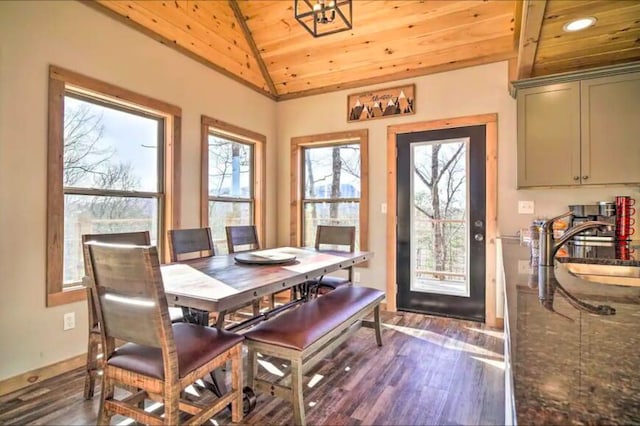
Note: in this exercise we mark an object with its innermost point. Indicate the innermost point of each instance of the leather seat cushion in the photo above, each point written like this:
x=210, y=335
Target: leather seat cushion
x=195, y=345
x=303, y=325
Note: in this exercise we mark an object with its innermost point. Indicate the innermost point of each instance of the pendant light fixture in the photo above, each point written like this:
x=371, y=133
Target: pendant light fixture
x=324, y=17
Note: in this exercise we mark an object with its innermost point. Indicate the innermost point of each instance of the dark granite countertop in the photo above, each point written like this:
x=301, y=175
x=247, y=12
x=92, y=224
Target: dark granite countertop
x=571, y=366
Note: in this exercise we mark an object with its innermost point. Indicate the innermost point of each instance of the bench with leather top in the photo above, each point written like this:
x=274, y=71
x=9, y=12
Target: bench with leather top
x=306, y=334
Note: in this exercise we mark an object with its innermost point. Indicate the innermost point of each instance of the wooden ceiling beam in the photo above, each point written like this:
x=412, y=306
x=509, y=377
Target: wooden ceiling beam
x=252, y=44
x=532, y=17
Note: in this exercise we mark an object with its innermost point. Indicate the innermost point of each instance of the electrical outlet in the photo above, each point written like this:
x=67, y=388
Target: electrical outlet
x=69, y=321
x=525, y=207
x=383, y=208
x=356, y=277
x=524, y=267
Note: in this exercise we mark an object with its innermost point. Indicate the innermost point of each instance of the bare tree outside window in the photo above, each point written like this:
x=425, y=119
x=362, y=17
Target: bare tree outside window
x=332, y=188
x=440, y=210
x=110, y=176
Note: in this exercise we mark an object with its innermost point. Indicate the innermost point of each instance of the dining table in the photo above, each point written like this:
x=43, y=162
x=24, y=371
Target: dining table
x=224, y=283
x=221, y=284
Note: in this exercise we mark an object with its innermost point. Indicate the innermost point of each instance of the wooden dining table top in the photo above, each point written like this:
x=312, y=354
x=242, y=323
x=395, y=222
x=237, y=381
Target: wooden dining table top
x=220, y=283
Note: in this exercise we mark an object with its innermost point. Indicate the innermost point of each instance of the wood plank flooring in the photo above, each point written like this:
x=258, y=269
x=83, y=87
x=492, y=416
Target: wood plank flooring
x=429, y=371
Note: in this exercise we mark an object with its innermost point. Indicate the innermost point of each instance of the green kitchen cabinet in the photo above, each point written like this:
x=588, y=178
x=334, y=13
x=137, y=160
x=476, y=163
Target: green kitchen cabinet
x=582, y=132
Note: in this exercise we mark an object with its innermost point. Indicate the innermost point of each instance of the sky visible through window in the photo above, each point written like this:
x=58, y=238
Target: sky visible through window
x=125, y=138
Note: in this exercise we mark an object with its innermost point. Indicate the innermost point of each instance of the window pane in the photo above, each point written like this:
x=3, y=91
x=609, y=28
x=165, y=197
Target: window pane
x=439, y=225
x=345, y=214
x=107, y=148
x=86, y=214
x=221, y=214
x=229, y=168
x=332, y=172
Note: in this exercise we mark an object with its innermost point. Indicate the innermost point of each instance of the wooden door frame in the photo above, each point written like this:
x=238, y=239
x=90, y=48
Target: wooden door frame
x=491, y=123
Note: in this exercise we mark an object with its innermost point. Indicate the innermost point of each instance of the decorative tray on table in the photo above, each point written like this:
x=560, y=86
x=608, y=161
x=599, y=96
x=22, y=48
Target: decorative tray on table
x=264, y=257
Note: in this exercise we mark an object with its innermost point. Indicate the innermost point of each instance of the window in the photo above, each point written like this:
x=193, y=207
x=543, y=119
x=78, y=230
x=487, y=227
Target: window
x=331, y=173
x=232, y=164
x=107, y=168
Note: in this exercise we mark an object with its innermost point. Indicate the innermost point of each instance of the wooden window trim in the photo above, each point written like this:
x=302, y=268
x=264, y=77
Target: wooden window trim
x=491, y=199
x=59, y=80
x=259, y=142
x=360, y=137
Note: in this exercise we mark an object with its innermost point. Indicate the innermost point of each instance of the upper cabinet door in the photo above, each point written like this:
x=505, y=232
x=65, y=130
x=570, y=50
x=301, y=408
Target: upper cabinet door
x=549, y=135
x=611, y=129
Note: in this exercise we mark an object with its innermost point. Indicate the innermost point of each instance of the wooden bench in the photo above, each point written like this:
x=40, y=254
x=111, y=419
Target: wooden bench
x=306, y=334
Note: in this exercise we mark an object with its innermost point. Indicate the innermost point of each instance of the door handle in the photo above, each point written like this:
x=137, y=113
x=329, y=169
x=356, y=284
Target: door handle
x=478, y=237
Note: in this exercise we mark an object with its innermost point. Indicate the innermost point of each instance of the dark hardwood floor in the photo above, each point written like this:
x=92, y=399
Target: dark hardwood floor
x=429, y=371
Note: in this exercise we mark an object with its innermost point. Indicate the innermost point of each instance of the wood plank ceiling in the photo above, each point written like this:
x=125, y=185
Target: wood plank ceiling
x=259, y=42
x=546, y=49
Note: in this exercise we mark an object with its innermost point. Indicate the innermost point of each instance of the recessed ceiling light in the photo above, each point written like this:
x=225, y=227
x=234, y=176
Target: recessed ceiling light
x=579, y=24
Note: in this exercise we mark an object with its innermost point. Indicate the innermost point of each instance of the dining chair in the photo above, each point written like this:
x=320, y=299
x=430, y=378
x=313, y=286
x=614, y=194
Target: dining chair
x=242, y=238
x=188, y=241
x=341, y=238
x=93, y=364
x=159, y=359
x=196, y=240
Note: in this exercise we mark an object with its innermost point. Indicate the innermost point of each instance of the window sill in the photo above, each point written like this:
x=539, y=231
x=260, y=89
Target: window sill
x=65, y=297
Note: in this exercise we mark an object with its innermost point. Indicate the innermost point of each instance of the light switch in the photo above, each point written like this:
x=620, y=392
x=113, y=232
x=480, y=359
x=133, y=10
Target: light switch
x=525, y=207
x=524, y=267
x=383, y=208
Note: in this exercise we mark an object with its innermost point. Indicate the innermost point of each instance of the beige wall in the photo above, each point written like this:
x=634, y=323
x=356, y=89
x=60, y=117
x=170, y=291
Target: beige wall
x=74, y=36
x=69, y=34
x=469, y=91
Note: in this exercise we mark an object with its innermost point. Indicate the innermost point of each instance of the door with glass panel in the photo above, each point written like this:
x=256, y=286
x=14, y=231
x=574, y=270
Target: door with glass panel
x=441, y=222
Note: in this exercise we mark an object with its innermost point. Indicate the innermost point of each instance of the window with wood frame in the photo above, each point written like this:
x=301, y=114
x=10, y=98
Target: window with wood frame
x=330, y=185
x=112, y=168
x=232, y=179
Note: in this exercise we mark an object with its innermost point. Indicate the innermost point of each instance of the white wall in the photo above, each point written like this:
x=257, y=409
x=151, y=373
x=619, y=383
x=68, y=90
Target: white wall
x=469, y=91
x=74, y=36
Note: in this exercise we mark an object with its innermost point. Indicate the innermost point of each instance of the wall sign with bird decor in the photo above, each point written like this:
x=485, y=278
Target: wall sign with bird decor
x=381, y=103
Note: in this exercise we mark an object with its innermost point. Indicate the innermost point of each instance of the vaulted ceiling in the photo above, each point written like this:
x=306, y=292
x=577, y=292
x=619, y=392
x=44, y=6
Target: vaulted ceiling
x=259, y=42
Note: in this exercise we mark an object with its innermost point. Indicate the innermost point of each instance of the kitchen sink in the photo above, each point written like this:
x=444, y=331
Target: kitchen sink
x=605, y=274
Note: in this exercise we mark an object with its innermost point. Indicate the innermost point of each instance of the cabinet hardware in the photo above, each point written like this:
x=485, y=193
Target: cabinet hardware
x=576, y=178
x=585, y=177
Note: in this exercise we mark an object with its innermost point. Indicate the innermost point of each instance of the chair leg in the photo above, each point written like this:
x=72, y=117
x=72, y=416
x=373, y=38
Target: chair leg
x=376, y=325
x=91, y=365
x=104, y=415
x=296, y=391
x=252, y=367
x=171, y=400
x=236, y=384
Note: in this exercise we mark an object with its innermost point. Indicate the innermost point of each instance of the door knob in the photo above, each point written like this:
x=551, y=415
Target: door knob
x=478, y=224
x=478, y=237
